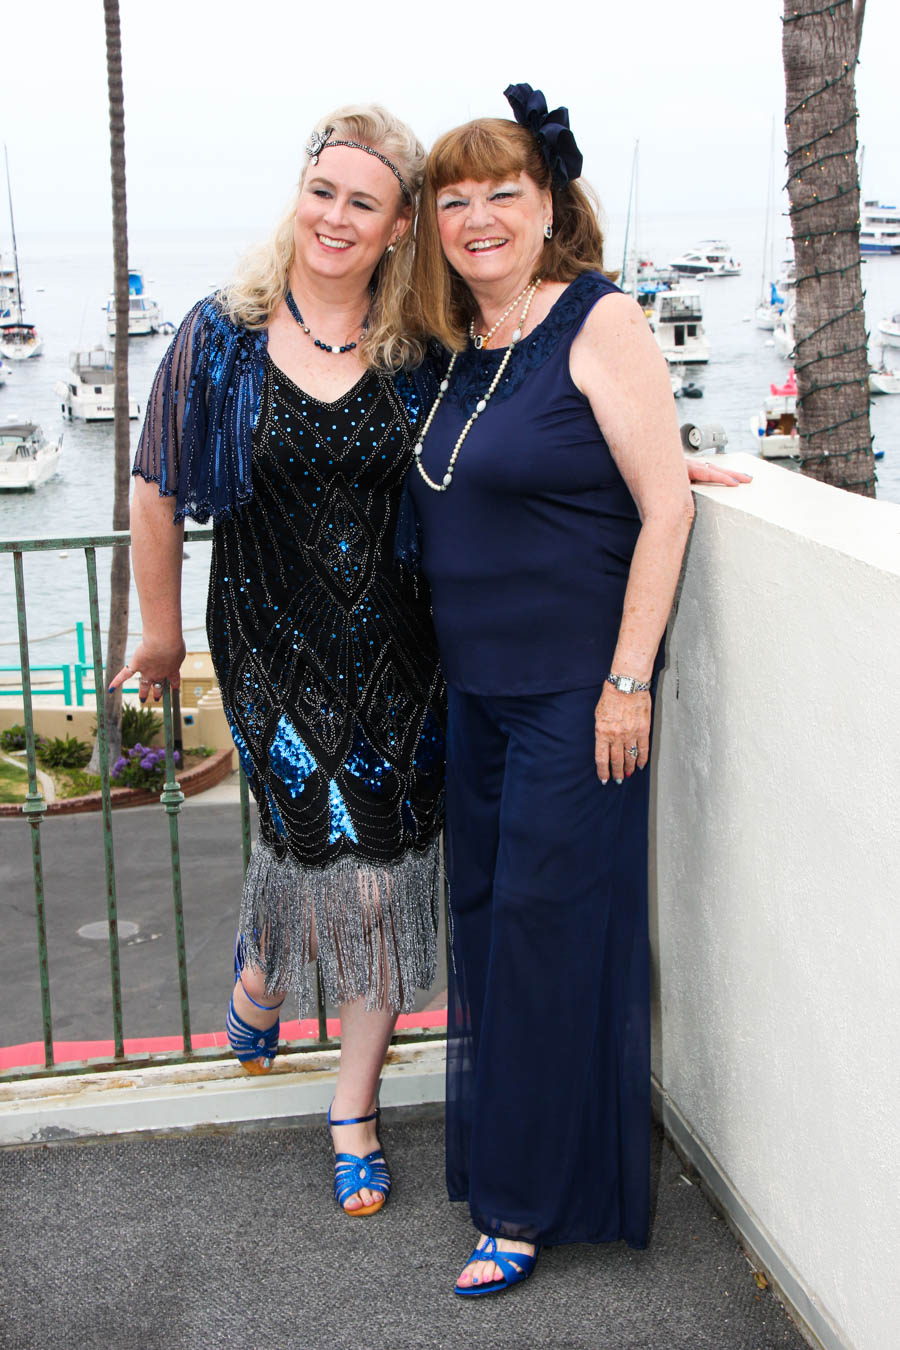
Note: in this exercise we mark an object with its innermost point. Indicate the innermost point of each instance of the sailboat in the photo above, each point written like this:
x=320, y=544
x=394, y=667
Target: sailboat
x=18, y=340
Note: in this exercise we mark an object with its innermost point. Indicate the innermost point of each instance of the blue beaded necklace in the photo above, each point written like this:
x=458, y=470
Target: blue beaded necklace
x=292, y=306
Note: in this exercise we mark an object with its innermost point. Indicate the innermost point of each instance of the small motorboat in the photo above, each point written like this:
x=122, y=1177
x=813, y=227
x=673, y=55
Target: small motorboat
x=88, y=388
x=883, y=380
x=143, y=313
x=775, y=426
x=27, y=459
x=890, y=331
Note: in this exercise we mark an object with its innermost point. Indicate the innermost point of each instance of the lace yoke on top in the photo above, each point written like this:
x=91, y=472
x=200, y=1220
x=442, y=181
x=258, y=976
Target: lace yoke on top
x=475, y=369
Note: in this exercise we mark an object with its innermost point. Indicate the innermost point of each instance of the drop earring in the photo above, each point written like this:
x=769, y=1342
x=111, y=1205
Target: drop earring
x=548, y=231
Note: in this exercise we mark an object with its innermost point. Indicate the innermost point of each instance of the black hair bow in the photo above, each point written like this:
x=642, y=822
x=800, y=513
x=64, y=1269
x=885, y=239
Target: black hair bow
x=551, y=129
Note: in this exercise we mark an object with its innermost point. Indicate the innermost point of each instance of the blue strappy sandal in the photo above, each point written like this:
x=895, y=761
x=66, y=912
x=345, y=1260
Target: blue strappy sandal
x=254, y=1049
x=352, y=1173
x=516, y=1266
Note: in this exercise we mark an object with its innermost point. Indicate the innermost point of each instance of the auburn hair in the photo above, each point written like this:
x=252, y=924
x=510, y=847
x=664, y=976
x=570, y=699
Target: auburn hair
x=491, y=149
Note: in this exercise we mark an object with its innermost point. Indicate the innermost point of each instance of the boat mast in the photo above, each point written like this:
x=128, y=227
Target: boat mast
x=631, y=193
x=12, y=230
x=768, y=265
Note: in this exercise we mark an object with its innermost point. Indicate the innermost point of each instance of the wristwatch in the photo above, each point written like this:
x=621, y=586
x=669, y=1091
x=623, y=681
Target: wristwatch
x=627, y=684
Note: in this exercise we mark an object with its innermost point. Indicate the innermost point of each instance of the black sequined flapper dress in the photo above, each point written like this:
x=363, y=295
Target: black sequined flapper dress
x=326, y=659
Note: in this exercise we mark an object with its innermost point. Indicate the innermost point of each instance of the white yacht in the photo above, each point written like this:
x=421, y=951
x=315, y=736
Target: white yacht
x=143, y=313
x=890, y=331
x=27, y=459
x=677, y=322
x=879, y=228
x=87, y=390
x=710, y=258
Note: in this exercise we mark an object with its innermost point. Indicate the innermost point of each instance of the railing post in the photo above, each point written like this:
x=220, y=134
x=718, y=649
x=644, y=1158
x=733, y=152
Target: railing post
x=33, y=810
x=172, y=797
x=90, y=557
x=67, y=685
x=246, y=844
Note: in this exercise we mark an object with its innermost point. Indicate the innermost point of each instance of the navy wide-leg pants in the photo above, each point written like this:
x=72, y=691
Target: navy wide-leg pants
x=548, y=1062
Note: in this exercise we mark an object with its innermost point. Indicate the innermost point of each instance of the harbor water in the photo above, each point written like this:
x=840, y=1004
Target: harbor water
x=66, y=278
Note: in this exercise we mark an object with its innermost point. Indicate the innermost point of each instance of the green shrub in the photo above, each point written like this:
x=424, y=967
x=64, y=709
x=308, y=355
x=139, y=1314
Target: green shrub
x=58, y=753
x=13, y=738
x=139, y=725
x=77, y=783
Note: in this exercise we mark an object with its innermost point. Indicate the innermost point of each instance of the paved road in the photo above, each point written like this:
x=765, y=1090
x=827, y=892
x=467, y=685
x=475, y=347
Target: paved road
x=76, y=895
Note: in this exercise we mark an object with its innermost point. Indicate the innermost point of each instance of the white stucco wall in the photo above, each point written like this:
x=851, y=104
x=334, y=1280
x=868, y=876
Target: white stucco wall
x=776, y=916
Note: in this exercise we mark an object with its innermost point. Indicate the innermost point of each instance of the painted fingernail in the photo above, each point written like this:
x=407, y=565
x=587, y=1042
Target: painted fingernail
x=110, y=688
x=620, y=781
x=603, y=782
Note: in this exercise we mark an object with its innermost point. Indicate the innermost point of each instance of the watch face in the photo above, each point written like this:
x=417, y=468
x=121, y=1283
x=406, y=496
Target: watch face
x=626, y=684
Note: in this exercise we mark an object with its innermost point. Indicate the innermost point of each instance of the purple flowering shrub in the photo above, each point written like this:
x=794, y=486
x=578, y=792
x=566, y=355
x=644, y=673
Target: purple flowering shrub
x=141, y=767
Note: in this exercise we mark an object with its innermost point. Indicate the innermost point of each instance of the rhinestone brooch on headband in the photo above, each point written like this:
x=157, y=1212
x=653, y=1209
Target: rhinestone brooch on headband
x=321, y=140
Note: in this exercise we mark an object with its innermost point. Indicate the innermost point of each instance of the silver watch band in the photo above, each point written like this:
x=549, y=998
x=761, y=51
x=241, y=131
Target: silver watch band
x=627, y=684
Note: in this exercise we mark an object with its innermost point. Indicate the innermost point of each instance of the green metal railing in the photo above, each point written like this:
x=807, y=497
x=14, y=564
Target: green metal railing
x=171, y=799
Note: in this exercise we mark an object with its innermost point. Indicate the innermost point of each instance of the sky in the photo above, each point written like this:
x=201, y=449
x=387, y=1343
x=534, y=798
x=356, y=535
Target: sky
x=220, y=96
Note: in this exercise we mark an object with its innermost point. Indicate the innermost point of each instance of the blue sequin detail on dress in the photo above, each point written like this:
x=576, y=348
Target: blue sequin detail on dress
x=365, y=764
x=241, y=746
x=290, y=758
x=341, y=824
x=276, y=814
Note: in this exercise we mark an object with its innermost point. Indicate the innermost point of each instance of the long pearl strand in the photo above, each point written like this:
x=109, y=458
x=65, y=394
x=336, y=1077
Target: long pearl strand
x=482, y=339
x=480, y=406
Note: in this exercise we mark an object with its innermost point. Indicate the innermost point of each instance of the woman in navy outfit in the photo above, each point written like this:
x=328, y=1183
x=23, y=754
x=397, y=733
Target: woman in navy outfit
x=554, y=506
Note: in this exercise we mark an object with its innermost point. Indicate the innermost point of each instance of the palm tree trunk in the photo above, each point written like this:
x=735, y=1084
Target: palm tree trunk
x=120, y=576
x=820, y=46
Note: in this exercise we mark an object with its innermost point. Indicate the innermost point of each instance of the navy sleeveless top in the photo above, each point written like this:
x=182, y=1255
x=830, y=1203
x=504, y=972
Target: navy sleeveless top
x=527, y=553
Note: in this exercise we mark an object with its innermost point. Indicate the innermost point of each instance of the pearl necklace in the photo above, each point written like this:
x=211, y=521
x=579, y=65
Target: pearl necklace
x=480, y=406
x=482, y=339
x=295, y=312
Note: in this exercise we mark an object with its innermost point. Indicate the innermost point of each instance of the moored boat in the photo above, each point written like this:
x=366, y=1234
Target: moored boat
x=27, y=458
x=710, y=258
x=88, y=388
x=890, y=331
x=677, y=322
x=143, y=313
x=775, y=425
x=879, y=228
x=19, y=341
x=18, y=338
x=883, y=380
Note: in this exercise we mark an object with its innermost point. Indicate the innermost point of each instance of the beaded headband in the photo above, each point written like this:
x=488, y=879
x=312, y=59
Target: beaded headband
x=321, y=140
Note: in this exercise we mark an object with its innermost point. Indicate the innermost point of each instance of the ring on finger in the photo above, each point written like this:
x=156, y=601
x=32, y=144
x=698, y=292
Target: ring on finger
x=157, y=684
x=633, y=751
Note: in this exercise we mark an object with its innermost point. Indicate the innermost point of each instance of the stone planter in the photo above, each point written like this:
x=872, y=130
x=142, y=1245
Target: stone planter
x=191, y=781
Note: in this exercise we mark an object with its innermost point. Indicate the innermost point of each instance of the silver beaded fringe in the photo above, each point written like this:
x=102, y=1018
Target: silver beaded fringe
x=375, y=923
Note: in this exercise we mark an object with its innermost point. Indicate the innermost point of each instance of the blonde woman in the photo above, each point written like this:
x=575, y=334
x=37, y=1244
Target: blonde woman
x=280, y=411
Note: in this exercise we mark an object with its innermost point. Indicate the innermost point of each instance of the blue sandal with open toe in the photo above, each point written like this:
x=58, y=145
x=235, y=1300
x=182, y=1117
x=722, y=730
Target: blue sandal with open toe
x=254, y=1049
x=516, y=1266
x=352, y=1173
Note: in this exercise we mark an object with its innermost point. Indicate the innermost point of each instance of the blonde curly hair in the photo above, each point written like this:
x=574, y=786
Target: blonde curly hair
x=261, y=276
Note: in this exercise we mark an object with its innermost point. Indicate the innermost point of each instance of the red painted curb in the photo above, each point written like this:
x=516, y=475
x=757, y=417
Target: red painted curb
x=64, y=1052
x=191, y=781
